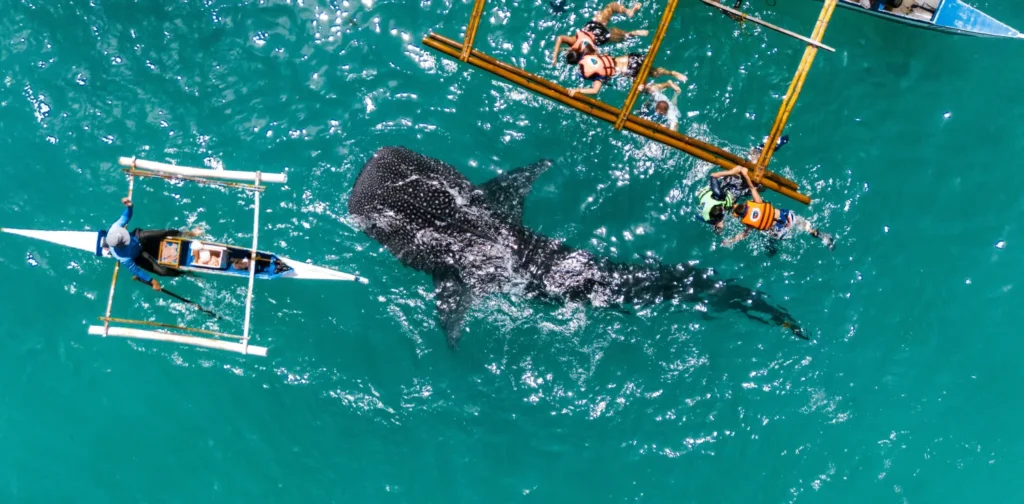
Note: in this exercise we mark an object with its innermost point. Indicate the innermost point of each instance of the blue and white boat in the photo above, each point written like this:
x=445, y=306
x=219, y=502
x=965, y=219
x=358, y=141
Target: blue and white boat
x=199, y=256
x=949, y=16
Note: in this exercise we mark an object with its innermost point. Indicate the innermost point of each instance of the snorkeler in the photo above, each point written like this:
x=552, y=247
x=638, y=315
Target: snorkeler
x=664, y=108
x=596, y=33
x=727, y=187
x=599, y=68
x=762, y=216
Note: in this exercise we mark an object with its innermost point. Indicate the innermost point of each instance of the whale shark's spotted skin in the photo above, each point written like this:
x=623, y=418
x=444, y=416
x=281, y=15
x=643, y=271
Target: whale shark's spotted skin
x=471, y=240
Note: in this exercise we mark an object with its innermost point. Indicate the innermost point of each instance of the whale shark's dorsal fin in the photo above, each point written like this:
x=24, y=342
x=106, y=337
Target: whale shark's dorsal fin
x=505, y=192
x=453, y=299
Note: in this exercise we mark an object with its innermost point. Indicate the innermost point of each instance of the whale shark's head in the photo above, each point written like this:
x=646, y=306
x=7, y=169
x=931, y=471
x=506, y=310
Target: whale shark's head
x=417, y=207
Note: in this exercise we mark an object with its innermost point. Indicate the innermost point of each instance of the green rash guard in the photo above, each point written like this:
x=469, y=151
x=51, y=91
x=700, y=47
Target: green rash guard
x=708, y=201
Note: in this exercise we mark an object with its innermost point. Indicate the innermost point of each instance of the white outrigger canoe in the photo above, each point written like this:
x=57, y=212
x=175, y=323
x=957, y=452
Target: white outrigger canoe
x=194, y=255
x=187, y=254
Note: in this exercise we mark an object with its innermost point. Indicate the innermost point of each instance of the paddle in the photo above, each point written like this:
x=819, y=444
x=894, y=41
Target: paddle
x=184, y=300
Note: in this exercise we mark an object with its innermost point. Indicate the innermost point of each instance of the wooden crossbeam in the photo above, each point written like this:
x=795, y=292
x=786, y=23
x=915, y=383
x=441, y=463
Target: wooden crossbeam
x=599, y=110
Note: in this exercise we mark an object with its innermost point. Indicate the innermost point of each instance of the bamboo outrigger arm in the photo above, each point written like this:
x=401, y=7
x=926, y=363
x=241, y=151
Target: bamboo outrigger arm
x=789, y=101
x=641, y=76
x=474, y=23
x=603, y=111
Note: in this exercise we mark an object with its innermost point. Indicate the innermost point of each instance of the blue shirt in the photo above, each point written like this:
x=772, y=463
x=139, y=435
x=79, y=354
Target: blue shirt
x=126, y=254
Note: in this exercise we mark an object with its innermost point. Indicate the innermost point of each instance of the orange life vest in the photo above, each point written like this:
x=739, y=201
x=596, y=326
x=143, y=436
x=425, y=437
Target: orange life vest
x=582, y=39
x=760, y=215
x=603, y=66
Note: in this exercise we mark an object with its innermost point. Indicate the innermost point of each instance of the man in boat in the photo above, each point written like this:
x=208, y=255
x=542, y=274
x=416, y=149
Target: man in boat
x=599, y=68
x=138, y=250
x=762, y=216
x=665, y=109
x=726, y=188
x=596, y=33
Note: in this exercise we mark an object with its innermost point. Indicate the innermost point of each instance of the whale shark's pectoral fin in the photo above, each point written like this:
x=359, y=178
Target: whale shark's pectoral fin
x=453, y=299
x=505, y=193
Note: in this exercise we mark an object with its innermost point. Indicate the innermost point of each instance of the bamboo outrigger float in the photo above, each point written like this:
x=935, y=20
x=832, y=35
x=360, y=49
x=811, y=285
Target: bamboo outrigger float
x=623, y=118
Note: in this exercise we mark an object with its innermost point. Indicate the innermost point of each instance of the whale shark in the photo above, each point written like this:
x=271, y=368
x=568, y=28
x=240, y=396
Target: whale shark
x=471, y=240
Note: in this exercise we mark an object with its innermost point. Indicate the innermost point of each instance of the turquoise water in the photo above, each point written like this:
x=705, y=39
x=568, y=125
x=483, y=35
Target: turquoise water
x=906, y=139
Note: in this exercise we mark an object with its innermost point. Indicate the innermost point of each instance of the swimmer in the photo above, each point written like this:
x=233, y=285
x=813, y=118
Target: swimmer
x=762, y=216
x=727, y=187
x=665, y=108
x=596, y=33
x=599, y=68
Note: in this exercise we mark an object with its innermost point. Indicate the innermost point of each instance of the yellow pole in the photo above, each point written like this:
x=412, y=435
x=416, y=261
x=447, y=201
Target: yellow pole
x=117, y=265
x=794, y=90
x=474, y=23
x=645, y=68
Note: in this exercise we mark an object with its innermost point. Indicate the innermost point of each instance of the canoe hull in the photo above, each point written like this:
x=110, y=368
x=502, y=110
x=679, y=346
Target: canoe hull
x=952, y=16
x=269, y=266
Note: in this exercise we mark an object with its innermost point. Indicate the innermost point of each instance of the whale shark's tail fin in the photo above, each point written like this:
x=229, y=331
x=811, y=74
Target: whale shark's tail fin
x=641, y=284
x=729, y=296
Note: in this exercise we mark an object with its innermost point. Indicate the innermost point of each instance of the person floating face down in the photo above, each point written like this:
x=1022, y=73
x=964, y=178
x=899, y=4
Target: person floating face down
x=600, y=68
x=666, y=109
x=596, y=33
x=763, y=216
x=726, y=188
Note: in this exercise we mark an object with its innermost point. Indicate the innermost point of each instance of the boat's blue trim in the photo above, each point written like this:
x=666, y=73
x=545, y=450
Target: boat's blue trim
x=958, y=16
x=952, y=16
x=99, y=242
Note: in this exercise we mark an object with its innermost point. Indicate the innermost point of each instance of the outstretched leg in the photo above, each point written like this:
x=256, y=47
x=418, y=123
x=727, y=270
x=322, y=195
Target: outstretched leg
x=826, y=239
x=618, y=35
x=605, y=16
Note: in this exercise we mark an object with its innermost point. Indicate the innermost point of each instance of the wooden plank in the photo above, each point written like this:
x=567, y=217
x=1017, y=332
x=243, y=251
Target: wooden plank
x=557, y=93
x=746, y=17
x=645, y=68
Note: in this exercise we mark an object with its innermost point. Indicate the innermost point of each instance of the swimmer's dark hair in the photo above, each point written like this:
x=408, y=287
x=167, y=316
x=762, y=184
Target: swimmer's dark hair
x=573, y=57
x=739, y=210
x=717, y=214
x=661, y=107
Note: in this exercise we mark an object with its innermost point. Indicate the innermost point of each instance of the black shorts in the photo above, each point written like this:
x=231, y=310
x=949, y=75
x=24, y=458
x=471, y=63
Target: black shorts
x=636, y=60
x=599, y=31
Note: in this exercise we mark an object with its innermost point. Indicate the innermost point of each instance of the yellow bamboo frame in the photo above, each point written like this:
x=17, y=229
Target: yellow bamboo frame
x=641, y=76
x=789, y=101
x=603, y=111
x=623, y=118
x=474, y=23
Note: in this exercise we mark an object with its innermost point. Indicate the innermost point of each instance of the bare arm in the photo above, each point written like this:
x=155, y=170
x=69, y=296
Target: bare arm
x=592, y=90
x=753, y=190
x=736, y=239
x=561, y=39
x=735, y=171
x=660, y=86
